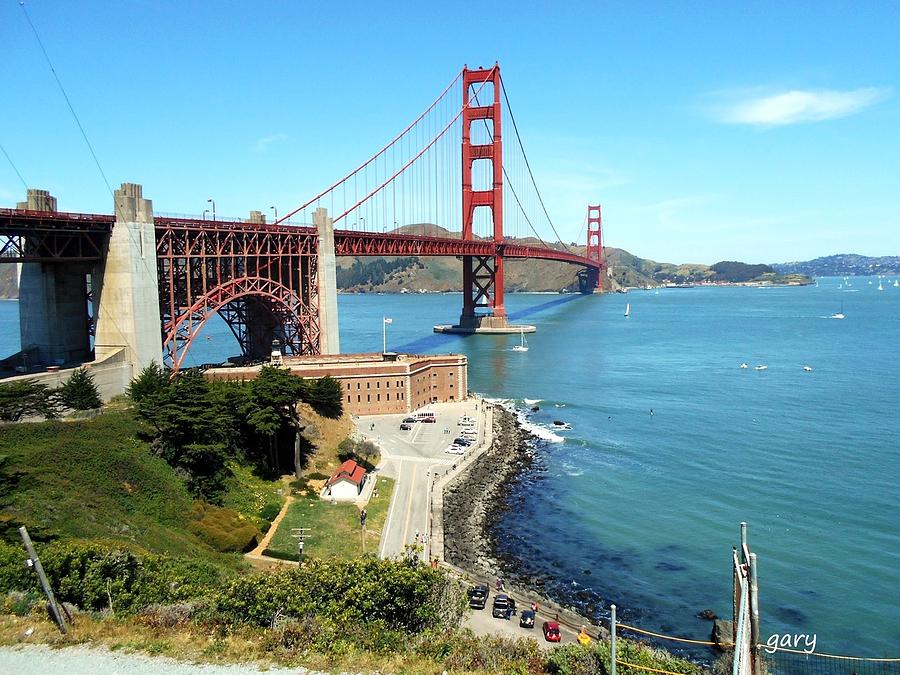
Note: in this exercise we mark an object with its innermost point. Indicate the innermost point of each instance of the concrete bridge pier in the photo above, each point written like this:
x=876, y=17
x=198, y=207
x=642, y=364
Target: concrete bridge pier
x=329, y=339
x=126, y=291
x=53, y=303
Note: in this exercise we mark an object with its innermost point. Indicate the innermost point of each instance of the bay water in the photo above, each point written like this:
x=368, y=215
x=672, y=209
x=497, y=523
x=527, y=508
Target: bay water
x=643, y=509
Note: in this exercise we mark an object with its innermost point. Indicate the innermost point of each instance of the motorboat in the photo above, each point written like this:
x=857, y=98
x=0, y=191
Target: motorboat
x=807, y=369
x=744, y=365
x=761, y=367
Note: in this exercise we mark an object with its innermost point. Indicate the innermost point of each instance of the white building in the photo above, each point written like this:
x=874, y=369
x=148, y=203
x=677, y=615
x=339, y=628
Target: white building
x=346, y=483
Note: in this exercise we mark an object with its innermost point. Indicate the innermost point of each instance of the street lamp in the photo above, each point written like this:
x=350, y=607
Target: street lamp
x=213, y=202
x=275, y=209
x=362, y=223
x=205, y=211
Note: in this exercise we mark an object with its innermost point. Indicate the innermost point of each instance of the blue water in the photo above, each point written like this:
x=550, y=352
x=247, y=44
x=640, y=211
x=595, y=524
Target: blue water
x=650, y=505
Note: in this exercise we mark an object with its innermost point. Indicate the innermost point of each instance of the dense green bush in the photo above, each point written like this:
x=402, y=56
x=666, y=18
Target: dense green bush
x=347, y=592
x=96, y=576
x=26, y=397
x=223, y=529
x=79, y=392
x=270, y=511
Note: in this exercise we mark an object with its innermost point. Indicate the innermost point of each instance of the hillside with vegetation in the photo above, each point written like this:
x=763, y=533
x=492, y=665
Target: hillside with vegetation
x=624, y=270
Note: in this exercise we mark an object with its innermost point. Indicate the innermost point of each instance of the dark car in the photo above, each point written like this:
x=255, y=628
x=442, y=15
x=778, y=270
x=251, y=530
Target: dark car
x=463, y=441
x=404, y=426
x=409, y=420
x=526, y=619
x=504, y=606
x=478, y=596
x=551, y=631
x=428, y=420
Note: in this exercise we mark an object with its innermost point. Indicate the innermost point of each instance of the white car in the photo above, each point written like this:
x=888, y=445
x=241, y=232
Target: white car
x=468, y=431
x=466, y=420
x=455, y=450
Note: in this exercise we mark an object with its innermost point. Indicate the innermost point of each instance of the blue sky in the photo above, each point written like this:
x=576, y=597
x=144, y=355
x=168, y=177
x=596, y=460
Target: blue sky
x=764, y=132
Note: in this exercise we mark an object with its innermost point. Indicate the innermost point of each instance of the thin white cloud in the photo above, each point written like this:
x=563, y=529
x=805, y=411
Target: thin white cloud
x=263, y=143
x=797, y=106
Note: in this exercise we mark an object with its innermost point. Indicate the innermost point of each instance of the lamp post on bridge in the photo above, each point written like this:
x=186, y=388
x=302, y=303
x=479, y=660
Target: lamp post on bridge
x=205, y=211
x=213, y=202
x=275, y=209
x=362, y=222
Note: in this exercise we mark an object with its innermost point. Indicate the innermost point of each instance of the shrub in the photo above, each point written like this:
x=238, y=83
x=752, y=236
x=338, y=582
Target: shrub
x=96, y=576
x=270, y=511
x=79, y=392
x=224, y=530
x=25, y=397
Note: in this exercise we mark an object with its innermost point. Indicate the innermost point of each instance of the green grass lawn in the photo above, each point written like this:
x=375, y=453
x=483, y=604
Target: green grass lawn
x=334, y=528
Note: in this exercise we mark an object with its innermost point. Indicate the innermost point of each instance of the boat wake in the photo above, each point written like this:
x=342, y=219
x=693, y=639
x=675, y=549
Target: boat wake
x=532, y=401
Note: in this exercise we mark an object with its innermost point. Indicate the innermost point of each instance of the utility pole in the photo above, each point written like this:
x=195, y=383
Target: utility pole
x=299, y=533
x=34, y=563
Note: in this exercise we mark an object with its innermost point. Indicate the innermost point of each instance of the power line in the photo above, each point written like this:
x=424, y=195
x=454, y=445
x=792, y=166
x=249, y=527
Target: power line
x=9, y=159
x=65, y=95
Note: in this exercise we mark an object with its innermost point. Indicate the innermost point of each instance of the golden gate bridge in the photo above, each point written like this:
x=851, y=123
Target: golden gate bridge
x=444, y=186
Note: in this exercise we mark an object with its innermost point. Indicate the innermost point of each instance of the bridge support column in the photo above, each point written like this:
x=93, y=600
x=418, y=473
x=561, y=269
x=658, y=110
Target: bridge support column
x=329, y=336
x=127, y=290
x=54, y=324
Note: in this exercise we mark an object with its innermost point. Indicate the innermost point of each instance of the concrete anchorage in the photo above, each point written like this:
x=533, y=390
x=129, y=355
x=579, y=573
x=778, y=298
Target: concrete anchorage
x=126, y=292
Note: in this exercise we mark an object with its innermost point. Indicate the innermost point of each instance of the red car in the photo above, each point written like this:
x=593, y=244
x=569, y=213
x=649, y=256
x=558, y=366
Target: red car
x=551, y=631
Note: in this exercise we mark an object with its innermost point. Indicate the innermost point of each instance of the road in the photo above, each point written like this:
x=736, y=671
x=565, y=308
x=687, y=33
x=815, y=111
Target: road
x=413, y=459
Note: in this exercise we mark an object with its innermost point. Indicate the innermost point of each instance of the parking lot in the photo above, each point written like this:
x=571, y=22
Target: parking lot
x=414, y=458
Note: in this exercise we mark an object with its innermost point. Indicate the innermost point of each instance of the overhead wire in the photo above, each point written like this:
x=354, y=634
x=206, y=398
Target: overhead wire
x=12, y=164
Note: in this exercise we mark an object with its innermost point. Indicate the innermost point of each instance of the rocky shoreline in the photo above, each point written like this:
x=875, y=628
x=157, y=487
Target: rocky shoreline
x=477, y=498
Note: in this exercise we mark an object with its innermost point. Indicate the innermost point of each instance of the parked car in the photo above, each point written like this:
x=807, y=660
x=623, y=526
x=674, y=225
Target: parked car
x=462, y=441
x=501, y=606
x=551, y=631
x=478, y=596
x=409, y=420
x=526, y=619
x=468, y=432
x=455, y=450
x=465, y=419
x=428, y=420
x=405, y=427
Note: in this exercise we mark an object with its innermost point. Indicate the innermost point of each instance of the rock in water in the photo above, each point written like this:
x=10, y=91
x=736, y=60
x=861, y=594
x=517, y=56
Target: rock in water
x=722, y=634
x=707, y=615
x=535, y=408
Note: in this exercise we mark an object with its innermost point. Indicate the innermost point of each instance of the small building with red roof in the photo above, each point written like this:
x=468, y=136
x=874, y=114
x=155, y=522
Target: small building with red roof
x=347, y=482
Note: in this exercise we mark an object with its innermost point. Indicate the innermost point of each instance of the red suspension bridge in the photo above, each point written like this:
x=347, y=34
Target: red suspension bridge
x=445, y=186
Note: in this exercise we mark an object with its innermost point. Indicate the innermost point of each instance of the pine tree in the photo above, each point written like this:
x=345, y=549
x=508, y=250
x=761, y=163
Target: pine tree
x=79, y=392
x=151, y=380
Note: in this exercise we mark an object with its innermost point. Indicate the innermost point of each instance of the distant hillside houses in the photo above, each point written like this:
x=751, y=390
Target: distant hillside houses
x=843, y=265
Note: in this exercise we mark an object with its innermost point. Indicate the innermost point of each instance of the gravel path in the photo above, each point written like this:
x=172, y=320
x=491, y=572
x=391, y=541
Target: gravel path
x=41, y=660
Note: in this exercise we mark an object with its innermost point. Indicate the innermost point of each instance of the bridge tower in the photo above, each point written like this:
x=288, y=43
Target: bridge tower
x=589, y=279
x=482, y=275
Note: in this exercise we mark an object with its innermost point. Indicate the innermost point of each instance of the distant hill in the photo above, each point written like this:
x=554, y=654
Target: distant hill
x=624, y=270
x=842, y=265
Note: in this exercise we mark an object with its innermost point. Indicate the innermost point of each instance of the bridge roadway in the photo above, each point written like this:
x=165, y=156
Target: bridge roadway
x=61, y=236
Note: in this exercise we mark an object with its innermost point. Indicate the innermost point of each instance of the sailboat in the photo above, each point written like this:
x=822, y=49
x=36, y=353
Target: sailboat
x=522, y=346
x=839, y=315
x=880, y=287
x=627, y=308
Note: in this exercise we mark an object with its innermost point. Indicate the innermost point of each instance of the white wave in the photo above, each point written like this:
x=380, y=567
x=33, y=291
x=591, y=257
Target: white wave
x=532, y=401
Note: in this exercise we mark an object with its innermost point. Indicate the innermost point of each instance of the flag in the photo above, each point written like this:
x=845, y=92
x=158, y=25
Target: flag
x=388, y=319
